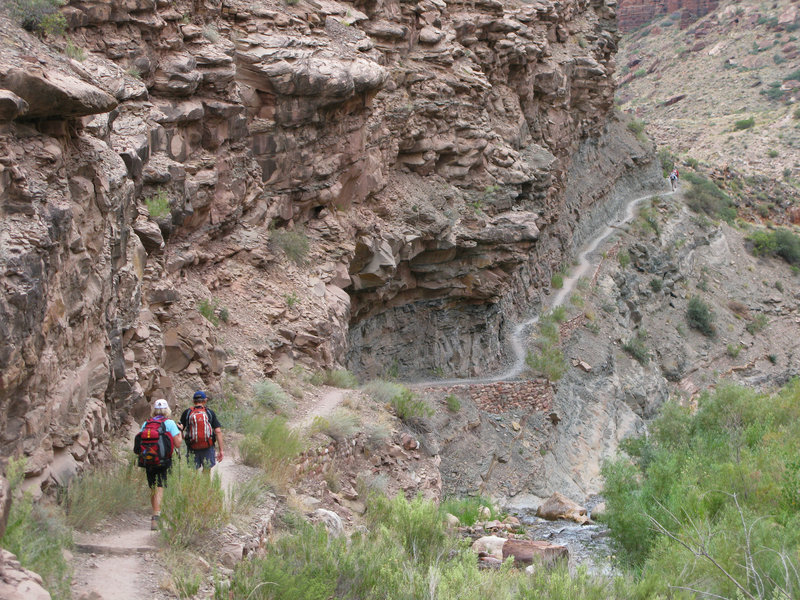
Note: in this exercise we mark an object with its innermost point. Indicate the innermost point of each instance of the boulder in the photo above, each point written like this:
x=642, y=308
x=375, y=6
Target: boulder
x=451, y=521
x=149, y=233
x=527, y=552
x=177, y=76
x=231, y=554
x=333, y=522
x=489, y=545
x=559, y=506
x=11, y=106
x=56, y=95
x=18, y=582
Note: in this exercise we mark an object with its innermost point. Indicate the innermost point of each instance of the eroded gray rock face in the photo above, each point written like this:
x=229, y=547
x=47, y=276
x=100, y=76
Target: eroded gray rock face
x=424, y=150
x=55, y=95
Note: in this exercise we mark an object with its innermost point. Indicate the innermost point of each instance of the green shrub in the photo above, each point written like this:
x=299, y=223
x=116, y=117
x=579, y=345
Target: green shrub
x=74, y=52
x=193, y=505
x=637, y=348
x=624, y=258
x=208, y=308
x=271, y=445
x=773, y=91
x=638, y=73
x=557, y=281
x=635, y=126
x=667, y=160
x=556, y=315
x=757, y=324
x=699, y=316
x=796, y=113
x=38, y=536
x=781, y=242
x=40, y=16
x=340, y=378
x=453, y=403
x=232, y=406
x=724, y=482
x=382, y=391
x=548, y=362
x=294, y=244
x=405, y=404
x=406, y=554
x=548, y=359
x=744, y=123
x=268, y=394
x=787, y=246
x=338, y=425
x=104, y=492
x=186, y=574
x=703, y=196
x=408, y=406
x=158, y=204
x=772, y=153
x=733, y=350
x=656, y=284
x=468, y=509
x=626, y=515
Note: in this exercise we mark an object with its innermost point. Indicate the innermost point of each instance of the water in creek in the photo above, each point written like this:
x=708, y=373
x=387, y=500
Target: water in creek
x=589, y=545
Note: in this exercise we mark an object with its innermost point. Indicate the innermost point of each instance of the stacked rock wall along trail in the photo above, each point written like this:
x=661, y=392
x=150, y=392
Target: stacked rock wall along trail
x=426, y=149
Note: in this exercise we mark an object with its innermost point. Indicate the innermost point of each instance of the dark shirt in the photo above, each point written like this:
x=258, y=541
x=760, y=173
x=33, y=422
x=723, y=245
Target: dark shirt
x=212, y=417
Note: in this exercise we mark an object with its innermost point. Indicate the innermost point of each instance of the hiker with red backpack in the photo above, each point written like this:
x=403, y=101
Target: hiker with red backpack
x=155, y=443
x=673, y=178
x=202, y=430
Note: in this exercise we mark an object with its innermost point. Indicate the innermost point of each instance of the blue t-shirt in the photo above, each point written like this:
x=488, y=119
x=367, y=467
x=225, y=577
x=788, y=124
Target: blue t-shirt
x=169, y=425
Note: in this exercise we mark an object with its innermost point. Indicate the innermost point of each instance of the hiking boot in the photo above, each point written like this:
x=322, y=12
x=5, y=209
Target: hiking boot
x=154, y=522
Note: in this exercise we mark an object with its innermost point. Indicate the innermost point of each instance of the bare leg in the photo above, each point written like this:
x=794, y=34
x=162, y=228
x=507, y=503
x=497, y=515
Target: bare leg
x=156, y=494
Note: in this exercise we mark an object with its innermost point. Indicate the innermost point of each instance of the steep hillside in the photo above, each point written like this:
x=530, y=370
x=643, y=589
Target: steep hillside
x=198, y=189
x=698, y=88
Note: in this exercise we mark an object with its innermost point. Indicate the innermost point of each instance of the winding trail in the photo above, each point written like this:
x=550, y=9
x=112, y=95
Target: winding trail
x=122, y=563
x=517, y=338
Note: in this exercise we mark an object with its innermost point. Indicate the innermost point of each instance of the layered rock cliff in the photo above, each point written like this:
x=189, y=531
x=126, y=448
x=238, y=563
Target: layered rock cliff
x=441, y=159
x=634, y=13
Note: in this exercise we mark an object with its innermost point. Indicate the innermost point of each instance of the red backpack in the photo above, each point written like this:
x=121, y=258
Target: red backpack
x=154, y=444
x=199, y=433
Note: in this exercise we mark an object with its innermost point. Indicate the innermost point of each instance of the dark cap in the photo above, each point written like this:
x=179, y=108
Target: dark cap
x=199, y=395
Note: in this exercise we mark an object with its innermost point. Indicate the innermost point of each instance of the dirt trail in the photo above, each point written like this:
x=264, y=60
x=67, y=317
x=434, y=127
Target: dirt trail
x=121, y=562
x=322, y=408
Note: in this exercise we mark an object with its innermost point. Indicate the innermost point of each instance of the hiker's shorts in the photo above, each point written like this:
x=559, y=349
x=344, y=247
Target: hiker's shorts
x=204, y=458
x=157, y=476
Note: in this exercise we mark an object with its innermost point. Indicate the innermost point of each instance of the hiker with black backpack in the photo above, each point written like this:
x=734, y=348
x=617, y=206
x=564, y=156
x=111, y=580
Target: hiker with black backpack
x=202, y=430
x=155, y=443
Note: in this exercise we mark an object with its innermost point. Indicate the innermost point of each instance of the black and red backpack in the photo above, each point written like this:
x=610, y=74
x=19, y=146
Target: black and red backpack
x=199, y=434
x=154, y=444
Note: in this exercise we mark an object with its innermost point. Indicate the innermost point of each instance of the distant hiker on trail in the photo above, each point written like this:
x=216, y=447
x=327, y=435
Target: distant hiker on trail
x=202, y=429
x=673, y=179
x=154, y=444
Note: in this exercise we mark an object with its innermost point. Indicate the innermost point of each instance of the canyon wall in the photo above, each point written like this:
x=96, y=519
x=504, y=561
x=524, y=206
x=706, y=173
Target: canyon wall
x=635, y=13
x=223, y=188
